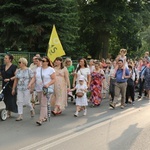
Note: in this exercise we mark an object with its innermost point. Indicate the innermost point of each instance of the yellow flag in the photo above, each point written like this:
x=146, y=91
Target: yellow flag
x=55, y=48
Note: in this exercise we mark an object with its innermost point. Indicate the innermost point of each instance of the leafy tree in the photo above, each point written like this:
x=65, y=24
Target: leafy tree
x=110, y=25
x=98, y=22
x=146, y=35
x=11, y=22
x=27, y=24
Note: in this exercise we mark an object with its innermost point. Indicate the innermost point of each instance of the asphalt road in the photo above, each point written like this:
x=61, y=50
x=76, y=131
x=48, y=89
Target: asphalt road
x=101, y=129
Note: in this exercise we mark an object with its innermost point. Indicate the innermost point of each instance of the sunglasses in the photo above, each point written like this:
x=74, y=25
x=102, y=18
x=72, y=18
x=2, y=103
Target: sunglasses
x=44, y=61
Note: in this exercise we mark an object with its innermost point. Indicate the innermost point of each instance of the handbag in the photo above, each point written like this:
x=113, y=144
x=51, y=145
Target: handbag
x=49, y=90
x=79, y=94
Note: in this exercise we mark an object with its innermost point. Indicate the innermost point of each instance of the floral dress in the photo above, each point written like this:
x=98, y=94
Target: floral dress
x=147, y=78
x=96, y=87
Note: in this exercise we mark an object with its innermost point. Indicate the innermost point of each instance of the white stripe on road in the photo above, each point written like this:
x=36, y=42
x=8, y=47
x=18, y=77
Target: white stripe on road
x=60, y=138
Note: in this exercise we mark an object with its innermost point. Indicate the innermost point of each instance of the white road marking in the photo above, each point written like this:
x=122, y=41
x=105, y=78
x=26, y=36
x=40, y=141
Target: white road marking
x=60, y=138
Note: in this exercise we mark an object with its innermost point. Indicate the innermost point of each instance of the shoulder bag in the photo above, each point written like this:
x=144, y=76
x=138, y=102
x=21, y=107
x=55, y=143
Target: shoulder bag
x=49, y=90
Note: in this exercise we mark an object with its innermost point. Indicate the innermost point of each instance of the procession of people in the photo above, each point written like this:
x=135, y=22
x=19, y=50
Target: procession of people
x=88, y=83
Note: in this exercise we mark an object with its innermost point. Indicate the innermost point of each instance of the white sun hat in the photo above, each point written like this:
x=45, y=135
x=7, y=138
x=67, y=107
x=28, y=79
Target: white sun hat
x=81, y=78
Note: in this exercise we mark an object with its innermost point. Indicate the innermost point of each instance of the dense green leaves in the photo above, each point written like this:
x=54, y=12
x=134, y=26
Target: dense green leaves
x=110, y=25
x=28, y=23
x=86, y=27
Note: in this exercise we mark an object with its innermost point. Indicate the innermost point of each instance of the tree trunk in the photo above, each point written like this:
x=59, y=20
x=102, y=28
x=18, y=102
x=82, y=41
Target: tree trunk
x=103, y=43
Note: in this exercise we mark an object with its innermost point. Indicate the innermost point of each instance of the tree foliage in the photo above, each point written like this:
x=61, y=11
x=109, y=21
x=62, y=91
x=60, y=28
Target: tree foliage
x=85, y=27
x=110, y=25
x=28, y=23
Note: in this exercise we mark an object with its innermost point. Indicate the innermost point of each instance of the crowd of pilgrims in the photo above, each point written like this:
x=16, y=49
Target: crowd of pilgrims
x=86, y=84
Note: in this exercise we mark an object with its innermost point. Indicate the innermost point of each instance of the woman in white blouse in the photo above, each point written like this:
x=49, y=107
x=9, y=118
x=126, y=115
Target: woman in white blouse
x=44, y=77
x=83, y=70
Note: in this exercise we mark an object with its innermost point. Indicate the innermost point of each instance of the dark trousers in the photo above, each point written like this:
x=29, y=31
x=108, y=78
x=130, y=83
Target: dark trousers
x=141, y=86
x=130, y=93
x=112, y=88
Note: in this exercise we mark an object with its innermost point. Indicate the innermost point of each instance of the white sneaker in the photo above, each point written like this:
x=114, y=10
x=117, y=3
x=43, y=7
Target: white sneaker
x=76, y=114
x=122, y=107
x=85, y=112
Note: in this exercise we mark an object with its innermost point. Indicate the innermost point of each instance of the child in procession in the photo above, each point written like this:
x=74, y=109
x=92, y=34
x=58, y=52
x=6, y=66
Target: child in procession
x=81, y=96
x=122, y=56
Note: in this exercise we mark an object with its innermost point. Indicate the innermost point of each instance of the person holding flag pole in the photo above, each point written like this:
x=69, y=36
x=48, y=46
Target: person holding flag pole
x=54, y=53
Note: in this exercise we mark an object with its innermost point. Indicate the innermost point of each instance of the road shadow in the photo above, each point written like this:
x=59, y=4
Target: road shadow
x=126, y=139
x=104, y=110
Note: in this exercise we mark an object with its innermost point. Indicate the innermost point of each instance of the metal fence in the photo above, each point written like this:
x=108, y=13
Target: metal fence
x=27, y=55
x=17, y=55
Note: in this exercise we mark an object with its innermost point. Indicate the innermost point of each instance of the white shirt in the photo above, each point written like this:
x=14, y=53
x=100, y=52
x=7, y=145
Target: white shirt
x=112, y=72
x=91, y=68
x=42, y=74
x=84, y=72
x=79, y=88
x=33, y=67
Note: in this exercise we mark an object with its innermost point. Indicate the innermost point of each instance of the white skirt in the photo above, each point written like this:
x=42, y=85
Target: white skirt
x=82, y=101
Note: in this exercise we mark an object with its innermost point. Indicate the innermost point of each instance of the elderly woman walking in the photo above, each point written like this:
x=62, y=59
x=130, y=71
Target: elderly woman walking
x=22, y=79
x=71, y=69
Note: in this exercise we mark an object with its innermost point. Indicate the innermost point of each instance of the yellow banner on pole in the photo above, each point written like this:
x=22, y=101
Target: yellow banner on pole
x=55, y=48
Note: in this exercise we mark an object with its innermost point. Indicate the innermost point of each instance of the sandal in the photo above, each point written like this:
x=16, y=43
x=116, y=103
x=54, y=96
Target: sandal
x=53, y=113
x=44, y=120
x=39, y=122
x=8, y=114
x=32, y=113
x=58, y=113
x=19, y=119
